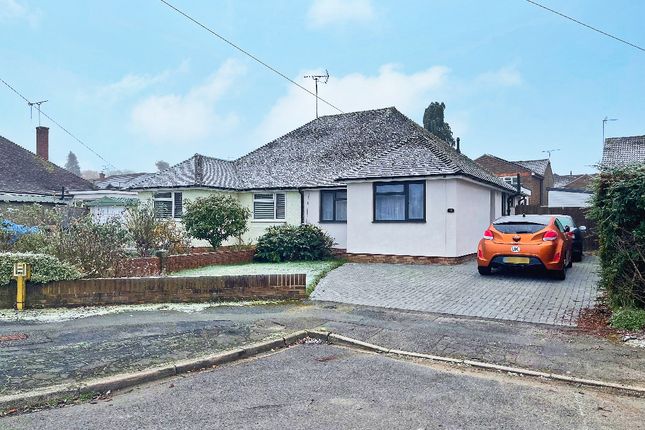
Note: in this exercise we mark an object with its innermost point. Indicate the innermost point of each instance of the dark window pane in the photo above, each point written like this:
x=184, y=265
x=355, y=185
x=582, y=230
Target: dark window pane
x=179, y=205
x=327, y=206
x=263, y=196
x=280, y=207
x=167, y=195
x=390, y=188
x=390, y=207
x=415, y=201
x=341, y=210
x=163, y=208
x=518, y=228
x=341, y=195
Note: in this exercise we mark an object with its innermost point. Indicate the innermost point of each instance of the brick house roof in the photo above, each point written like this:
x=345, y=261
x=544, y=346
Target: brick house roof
x=623, y=151
x=357, y=145
x=22, y=171
x=501, y=166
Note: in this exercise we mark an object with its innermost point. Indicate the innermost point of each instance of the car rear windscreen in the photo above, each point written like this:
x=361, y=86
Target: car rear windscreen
x=519, y=227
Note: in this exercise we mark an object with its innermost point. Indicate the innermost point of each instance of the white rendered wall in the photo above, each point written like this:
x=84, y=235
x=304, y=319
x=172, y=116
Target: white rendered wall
x=422, y=239
x=311, y=210
x=473, y=214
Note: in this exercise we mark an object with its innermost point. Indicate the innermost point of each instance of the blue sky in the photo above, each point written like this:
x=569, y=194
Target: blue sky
x=140, y=83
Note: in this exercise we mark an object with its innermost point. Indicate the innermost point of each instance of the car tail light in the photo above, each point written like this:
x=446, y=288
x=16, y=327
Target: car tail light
x=556, y=257
x=480, y=253
x=488, y=235
x=550, y=235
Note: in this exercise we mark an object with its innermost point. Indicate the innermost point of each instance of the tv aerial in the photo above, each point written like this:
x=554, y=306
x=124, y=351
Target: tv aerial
x=323, y=78
x=549, y=151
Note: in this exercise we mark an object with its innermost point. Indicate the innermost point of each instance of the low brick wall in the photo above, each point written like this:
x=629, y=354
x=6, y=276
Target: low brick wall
x=125, y=291
x=154, y=266
x=406, y=259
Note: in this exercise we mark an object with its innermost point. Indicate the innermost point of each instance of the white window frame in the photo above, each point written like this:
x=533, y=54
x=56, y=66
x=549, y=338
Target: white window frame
x=170, y=199
x=274, y=201
x=512, y=180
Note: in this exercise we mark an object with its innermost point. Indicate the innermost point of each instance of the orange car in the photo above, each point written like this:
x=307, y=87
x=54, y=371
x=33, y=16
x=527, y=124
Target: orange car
x=529, y=241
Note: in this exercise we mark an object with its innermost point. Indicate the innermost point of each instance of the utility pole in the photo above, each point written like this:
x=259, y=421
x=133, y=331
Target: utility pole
x=324, y=78
x=604, y=121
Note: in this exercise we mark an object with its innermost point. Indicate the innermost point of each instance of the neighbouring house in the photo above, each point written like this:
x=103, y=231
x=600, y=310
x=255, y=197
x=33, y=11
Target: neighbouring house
x=26, y=177
x=117, y=182
x=535, y=175
x=623, y=151
x=105, y=209
x=571, y=190
x=381, y=185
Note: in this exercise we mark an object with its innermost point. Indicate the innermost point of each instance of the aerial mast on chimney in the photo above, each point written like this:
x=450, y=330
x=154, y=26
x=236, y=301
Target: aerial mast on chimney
x=324, y=78
x=31, y=109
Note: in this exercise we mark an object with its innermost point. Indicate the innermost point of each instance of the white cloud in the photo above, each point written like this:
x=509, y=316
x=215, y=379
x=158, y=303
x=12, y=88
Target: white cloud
x=507, y=76
x=189, y=117
x=133, y=83
x=14, y=9
x=326, y=12
x=356, y=91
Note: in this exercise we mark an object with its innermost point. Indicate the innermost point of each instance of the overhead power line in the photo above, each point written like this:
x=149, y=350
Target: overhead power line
x=587, y=25
x=108, y=164
x=273, y=69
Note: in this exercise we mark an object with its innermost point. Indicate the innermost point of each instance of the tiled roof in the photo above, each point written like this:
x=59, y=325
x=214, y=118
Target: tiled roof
x=376, y=142
x=537, y=166
x=22, y=171
x=573, y=182
x=118, y=182
x=623, y=151
x=197, y=171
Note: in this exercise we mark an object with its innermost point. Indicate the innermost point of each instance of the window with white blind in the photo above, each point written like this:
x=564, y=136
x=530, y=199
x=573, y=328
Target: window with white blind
x=269, y=206
x=168, y=204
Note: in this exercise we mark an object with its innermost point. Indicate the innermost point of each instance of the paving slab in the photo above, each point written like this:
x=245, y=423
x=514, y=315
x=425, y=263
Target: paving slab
x=461, y=290
x=323, y=386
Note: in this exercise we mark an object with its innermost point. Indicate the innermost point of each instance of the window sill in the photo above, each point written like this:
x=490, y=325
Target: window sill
x=332, y=222
x=274, y=221
x=407, y=221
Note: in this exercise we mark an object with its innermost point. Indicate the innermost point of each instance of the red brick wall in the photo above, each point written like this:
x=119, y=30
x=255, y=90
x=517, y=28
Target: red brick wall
x=154, y=266
x=142, y=266
x=406, y=259
x=115, y=291
x=175, y=263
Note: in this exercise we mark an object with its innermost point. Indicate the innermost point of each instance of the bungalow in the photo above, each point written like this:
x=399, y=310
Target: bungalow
x=381, y=185
x=26, y=177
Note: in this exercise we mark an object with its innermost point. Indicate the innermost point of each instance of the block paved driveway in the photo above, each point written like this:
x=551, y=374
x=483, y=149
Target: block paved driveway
x=460, y=290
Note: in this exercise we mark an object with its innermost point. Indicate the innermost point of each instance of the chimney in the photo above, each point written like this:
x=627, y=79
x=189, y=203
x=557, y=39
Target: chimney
x=42, y=142
x=458, y=148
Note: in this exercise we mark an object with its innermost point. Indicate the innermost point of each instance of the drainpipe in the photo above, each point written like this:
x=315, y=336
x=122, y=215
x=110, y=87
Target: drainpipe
x=302, y=206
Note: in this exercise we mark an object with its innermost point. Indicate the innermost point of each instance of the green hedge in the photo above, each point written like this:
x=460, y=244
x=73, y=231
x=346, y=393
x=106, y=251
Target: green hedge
x=44, y=268
x=294, y=243
x=618, y=207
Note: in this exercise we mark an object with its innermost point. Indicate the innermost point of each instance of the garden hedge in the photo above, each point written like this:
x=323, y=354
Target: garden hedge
x=44, y=268
x=618, y=207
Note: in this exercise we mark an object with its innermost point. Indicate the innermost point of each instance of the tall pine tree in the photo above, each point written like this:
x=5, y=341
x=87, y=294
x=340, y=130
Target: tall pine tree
x=72, y=164
x=433, y=121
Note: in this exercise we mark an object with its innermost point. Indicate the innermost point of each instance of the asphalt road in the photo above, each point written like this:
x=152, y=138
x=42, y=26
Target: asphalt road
x=51, y=353
x=325, y=387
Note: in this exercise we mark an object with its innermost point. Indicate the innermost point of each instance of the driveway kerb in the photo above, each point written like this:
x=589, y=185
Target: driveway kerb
x=347, y=341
